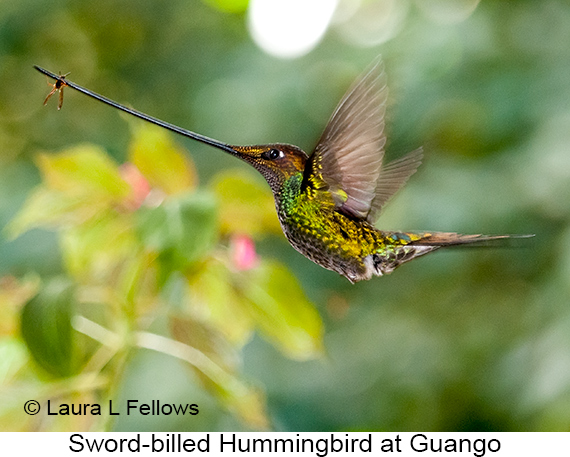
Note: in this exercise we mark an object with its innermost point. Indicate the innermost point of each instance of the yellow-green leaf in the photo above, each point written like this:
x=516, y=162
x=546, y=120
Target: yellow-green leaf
x=246, y=203
x=14, y=293
x=229, y=6
x=213, y=299
x=95, y=249
x=282, y=312
x=50, y=209
x=79, y=183
x=84, y=171
x=163, y=163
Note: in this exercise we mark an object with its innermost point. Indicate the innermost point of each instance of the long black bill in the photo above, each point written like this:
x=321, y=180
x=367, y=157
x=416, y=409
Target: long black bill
x=153, y=120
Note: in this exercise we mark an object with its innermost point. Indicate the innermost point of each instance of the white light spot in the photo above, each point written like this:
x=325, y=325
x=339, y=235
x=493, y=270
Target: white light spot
x=373, y=23
x=289, y=28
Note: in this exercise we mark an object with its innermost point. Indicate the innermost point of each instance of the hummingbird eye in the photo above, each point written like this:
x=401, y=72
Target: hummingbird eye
x=273, y=154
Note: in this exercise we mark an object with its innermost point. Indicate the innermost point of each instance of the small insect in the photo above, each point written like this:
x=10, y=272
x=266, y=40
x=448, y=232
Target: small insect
x=57, y=87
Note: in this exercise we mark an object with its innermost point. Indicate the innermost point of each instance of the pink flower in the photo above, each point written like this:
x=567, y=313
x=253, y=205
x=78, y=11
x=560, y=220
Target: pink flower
x=243, y=252
x=139, y=185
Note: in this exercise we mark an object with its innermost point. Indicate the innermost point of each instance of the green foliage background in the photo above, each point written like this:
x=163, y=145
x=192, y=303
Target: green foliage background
x=104, y=295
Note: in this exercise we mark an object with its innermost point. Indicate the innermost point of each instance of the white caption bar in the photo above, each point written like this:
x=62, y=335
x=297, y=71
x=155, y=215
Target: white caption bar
x=279, y=444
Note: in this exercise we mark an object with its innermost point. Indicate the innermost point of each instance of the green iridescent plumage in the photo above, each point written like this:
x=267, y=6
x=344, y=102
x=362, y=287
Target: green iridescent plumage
x=328, y=202
x=334, y=240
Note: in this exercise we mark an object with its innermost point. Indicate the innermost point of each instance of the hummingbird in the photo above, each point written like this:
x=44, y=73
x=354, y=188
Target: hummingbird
x=328, y=202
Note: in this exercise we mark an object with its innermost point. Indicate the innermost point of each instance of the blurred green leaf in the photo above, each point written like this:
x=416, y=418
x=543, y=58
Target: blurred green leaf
x=96, y=248
x=49, y=208
x=163, y=163
x=14, y=361
x=182, y=229
x=214, y=299
x=268, y=297
x=229, y=6
x=14, y=294
x=46, y=328
x=282, y=311
x=78, y=184
x=246, y=203
x=86, y=171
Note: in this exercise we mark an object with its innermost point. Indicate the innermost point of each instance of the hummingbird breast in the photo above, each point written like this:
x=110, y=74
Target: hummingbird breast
x=348, y=246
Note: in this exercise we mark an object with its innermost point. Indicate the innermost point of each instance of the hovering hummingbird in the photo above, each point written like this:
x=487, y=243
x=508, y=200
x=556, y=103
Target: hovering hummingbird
x=328, y=202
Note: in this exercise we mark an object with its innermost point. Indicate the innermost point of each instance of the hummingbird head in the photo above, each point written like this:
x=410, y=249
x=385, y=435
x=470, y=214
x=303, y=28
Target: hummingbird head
x=276, y=162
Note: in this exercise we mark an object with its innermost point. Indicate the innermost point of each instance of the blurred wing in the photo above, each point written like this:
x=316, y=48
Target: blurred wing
x=348, y=158
x=392, y=177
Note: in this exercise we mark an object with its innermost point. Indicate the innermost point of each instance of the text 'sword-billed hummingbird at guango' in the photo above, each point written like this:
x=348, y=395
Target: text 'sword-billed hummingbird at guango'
x=328, y=202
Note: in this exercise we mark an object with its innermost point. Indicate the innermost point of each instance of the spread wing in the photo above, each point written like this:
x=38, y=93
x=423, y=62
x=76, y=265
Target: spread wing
x=392, y=177
x=347, y=161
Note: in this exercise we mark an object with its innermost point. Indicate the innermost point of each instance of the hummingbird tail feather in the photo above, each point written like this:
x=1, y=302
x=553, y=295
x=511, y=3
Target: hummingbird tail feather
x=443, y=239
x=386, y=261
